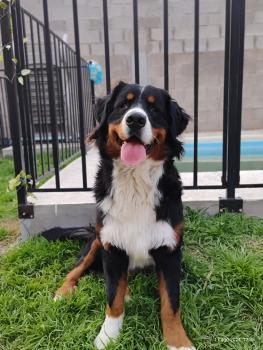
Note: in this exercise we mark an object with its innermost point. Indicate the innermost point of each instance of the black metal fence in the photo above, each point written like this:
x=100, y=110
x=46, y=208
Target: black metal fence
x=54, y=94
x=55, y=103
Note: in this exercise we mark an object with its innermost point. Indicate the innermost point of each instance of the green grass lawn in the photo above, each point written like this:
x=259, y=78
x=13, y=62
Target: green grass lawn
x=7, y=199
x=221, y=297
x=8, y=203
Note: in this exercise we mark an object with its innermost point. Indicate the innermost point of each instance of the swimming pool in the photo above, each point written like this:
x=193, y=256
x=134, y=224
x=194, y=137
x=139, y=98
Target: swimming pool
x=249, y=148
x=210, y=156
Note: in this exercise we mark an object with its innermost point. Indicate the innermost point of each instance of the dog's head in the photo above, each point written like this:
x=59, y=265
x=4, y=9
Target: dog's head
x=137, y=122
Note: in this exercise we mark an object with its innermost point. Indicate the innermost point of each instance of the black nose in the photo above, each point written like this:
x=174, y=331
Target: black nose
x=136, y=121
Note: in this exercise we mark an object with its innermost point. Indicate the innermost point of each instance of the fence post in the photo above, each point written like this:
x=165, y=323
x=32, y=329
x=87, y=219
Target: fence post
x=136, y=42
x=106, y=45
x=82, y=129
x=23, y=97
x=234, y=59
x=12, y=95
x=51, y=92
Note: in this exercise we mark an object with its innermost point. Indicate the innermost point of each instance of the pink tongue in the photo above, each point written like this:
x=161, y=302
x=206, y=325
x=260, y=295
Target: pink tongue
x=132, y=153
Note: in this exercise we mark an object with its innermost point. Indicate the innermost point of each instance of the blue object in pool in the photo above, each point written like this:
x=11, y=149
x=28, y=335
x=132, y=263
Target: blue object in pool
x=95, y=72
x=249, y=148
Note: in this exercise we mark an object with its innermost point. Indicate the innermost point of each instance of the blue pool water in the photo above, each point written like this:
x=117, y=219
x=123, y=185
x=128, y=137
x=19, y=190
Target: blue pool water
x=249, y=148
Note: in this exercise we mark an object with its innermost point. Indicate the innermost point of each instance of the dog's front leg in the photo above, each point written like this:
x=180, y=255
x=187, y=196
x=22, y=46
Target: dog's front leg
x=168, y=266
x=115, y=266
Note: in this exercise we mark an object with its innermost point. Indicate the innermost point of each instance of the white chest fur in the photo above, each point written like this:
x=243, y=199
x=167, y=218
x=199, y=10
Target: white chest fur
x=130, y=221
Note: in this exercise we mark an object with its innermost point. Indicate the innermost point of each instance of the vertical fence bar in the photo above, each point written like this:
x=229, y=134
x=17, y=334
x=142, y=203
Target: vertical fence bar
x=59, y=101
x=14, y=116
x=73, y=65
x=136, y=42
x=196, y=90
x=63, y=127
x=237, y=33
x=165, y=44
x=3, y=134
x=43, y=95
x=70, y=98
x=93, y=101
x=31, y=124
x=66, y=92
x=52, y=103
x=106, y=45
x=35, y=72
x=22, y=91
x=226, y=88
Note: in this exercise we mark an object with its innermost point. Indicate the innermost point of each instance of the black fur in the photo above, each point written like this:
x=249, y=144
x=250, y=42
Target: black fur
x=164, y=113
x=115, y=264
x=167, y=114
x=97, y=262
x=169, y=263
x=170, y=207
x=103, y=182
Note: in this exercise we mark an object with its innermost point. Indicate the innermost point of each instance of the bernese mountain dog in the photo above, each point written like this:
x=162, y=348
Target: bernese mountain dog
x=139, y=206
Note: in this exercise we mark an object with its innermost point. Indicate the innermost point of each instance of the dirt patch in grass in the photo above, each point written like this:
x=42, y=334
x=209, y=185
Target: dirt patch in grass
x=255, y=243
x=9, y=233
x=9, y=227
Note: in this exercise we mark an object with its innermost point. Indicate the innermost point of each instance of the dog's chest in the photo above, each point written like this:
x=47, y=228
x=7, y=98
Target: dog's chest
x=130, y=218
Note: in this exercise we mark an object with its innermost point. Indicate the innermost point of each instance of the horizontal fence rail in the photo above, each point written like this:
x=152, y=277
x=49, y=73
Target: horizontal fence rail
x=56, y=100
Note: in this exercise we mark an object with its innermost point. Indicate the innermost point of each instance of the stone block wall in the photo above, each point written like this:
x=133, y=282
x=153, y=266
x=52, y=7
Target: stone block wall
x=181, y=44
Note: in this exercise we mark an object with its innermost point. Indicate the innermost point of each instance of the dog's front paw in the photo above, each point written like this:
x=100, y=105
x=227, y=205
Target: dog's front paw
x=109, y=331
x=64, y=291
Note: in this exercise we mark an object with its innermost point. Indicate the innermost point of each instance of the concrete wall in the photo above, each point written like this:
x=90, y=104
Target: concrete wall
x=181, y=34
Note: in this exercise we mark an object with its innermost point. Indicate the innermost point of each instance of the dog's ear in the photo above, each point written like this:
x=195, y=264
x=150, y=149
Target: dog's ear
x=99, y=108
x=179, y=118
x=103, y=108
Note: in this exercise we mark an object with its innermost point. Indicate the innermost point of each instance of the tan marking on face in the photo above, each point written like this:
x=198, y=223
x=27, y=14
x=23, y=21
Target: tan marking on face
x=130, y=96
x=113, y=148
x=118, y=303
x=70, y=283
x=151, y=99
x=173, y=329
x=159, y=148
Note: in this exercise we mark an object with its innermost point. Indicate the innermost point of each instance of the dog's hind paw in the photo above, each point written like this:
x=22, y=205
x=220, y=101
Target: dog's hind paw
x=109, y=331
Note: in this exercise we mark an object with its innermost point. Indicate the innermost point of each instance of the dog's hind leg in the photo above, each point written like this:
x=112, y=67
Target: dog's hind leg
x=87, y=259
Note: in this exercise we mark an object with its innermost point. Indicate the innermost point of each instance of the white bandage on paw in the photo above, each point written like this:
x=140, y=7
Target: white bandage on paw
x=110, y=330
x=181, y=348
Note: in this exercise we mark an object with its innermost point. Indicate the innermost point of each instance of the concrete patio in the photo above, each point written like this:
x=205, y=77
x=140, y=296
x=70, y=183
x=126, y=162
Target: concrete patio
x=75, y=209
